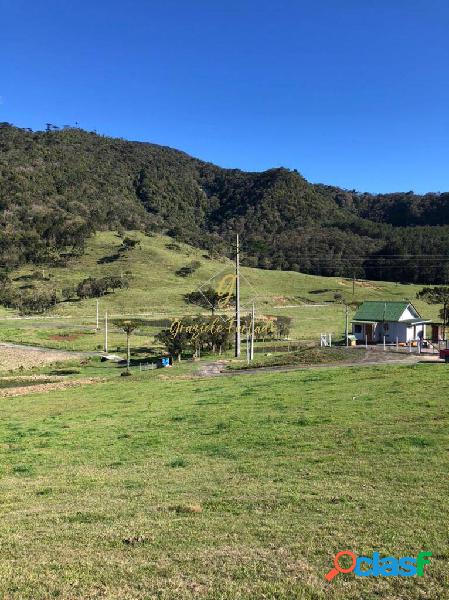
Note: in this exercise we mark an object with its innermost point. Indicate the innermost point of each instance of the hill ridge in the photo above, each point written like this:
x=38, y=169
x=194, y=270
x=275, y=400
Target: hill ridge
x=58, y=187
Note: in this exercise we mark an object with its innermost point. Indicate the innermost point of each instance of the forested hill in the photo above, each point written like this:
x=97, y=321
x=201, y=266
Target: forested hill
x=59, y=186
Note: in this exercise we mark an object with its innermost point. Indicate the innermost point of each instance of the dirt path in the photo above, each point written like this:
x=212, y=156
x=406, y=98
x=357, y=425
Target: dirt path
x=212, y=368
x=69, y=353
x=218, y=368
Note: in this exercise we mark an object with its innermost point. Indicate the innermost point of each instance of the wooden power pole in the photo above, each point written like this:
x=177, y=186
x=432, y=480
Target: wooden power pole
x=346, y=325
x=237, y=298
x=253, y=316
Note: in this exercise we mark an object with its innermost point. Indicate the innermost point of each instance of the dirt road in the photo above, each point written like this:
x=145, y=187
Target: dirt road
x=218, y=368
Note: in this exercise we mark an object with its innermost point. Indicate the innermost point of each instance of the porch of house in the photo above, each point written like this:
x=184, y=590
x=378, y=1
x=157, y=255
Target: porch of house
x=373, y=332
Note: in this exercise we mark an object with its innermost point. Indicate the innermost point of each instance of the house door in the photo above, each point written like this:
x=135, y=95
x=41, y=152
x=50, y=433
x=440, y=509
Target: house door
x=369, y=333
x=435, y=333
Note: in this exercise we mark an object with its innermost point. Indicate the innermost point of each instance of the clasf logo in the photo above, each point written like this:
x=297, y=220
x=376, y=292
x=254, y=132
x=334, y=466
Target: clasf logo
x=388, y=566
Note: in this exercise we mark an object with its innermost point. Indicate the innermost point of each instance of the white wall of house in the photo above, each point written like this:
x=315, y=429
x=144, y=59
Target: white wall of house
x=418, y=328
x=409, y=313
x=363, y=327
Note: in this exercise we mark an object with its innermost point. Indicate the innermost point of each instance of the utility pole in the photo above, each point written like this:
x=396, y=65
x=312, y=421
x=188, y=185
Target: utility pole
x=253, y=315
x=444, y=321
x=98, y=315
x=237, y=298
x=346, y=325
x=106, y=331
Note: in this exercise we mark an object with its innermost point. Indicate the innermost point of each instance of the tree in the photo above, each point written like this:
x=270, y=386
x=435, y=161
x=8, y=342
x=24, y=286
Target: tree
x=437, y=295
x=197, y=334
x=207, y=298
x=128, y=326
x=114, y=283
x=128, y=244
x=95, y=288
x=36, y=301
x=87, y=288
x=222, y=335
x=68, y=292
x=175, y=342
x=4, y=279
x=283, y=326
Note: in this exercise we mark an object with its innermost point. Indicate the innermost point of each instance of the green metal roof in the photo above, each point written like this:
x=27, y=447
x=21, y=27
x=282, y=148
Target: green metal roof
x=380, y=311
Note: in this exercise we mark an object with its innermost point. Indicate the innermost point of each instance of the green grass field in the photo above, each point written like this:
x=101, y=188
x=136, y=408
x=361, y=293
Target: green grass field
x=158, y=292
x=171, y=487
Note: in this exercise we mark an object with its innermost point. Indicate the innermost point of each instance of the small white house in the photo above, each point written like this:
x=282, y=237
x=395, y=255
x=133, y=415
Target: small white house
x=397, y=321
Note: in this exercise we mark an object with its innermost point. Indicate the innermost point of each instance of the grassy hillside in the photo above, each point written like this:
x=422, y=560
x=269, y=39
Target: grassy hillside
x=155, y=290
x=184, y=488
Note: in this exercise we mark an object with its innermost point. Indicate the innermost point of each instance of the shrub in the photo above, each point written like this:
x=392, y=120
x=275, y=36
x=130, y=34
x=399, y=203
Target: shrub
x=188, y=269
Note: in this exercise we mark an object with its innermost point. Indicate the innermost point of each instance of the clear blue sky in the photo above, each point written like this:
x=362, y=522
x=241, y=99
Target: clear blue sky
x=349, y=92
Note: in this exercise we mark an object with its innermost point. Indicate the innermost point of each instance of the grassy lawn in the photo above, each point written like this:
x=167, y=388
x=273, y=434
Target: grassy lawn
x=164, y=486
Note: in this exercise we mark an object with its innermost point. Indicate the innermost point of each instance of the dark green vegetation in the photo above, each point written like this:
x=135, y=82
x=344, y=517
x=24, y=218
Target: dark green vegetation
x=30, y=299
x=58, y=187
x=209, y=298
x=151, y=488
x=437, y=295
x=22, y=382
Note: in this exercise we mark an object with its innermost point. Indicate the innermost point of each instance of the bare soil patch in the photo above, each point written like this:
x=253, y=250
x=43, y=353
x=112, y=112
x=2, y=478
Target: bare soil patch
x=47, y=387
x=15, y=358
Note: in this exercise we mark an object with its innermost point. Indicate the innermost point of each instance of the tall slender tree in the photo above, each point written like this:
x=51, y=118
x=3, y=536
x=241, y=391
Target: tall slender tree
x=128, y=326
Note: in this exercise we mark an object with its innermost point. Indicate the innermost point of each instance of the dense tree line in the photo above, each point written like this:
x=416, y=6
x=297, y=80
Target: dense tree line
x=36, y=299
x=59, y=185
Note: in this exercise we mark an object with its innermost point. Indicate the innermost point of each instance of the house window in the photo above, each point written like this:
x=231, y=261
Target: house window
x=357, y=329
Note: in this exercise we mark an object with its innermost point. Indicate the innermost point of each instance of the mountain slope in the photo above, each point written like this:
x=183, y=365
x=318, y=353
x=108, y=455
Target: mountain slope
x=60, y=186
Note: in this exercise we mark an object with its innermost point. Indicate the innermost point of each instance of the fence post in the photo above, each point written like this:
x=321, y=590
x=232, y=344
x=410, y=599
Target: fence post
x=366, y=342
x=384, y=344
x=397, y=343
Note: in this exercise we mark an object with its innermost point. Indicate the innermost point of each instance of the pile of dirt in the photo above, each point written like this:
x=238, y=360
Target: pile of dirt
x=69, y=337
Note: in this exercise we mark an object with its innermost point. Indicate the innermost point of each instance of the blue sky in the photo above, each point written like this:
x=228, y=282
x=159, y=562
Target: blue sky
x=348, y=92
